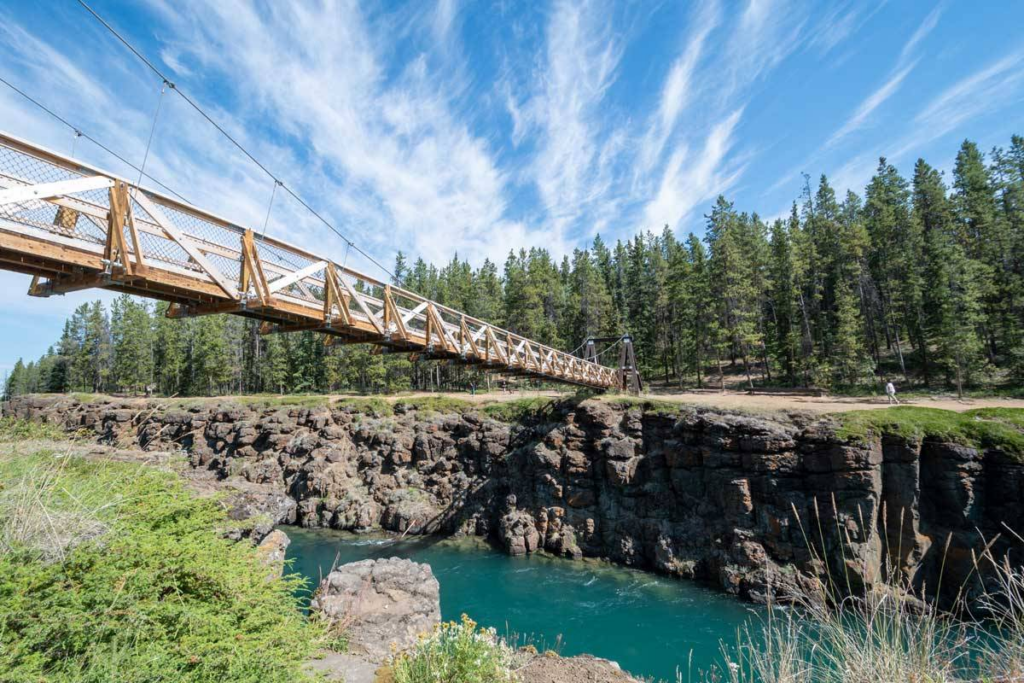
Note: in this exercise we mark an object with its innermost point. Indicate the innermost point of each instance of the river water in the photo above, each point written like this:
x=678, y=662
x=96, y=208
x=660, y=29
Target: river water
x=650, y=625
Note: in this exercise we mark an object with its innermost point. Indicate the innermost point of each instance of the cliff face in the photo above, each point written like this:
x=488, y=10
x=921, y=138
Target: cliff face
x=750, y=504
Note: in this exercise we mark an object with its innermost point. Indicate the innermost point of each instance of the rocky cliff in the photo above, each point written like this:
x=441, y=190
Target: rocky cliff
x=747, y=503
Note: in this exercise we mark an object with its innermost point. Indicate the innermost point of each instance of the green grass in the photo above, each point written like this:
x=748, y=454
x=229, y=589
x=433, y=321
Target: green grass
x=648, y=405
x=23, y=430
x=518, y=409
x=1000, y=428
x=112, y=571
x=370, y=405
x=82, y=397
x=437, y=404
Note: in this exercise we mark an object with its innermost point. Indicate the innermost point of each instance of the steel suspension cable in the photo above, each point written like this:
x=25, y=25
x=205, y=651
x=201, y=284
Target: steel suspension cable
x=231, y=139
x=270, y=207
x=79, y=133
x=152, y=130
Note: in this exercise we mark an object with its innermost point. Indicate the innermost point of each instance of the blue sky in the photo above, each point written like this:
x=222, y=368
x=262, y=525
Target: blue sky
x=475, y=127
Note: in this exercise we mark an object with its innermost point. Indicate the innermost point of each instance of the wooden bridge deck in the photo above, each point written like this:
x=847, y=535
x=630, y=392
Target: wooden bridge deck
x=73, y=226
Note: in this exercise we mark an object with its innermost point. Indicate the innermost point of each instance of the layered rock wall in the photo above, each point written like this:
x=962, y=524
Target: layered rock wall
x=748, y=503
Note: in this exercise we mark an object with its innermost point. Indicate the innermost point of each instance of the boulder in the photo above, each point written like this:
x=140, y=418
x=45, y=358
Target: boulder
x=272, y=551
x=549, y=668
x=382, y=605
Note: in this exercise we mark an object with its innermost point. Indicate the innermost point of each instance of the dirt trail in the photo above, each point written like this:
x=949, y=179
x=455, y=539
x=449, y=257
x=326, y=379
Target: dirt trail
x=740, y=400
x=729, y=400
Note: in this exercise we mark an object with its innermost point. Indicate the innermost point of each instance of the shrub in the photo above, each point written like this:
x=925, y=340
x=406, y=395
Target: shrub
x=436, y=404
x=456, y=652
x=518, y=409
x=370, y=405
x=12, y=429
x=145, y=590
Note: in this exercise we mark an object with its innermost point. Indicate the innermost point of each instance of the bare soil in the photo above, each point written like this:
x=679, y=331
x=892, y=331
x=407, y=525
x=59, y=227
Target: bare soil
x=581, y=669
x=741, y=400
x=738, y=400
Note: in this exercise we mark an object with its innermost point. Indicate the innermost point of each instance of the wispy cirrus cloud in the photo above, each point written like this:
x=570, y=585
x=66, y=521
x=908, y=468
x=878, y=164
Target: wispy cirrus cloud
x=861, y=165
x=904, y=65
x=982, y=92
x=679, y=88
x=689, y=179
x=870, y=104
x=991, y=87
x=581, y=59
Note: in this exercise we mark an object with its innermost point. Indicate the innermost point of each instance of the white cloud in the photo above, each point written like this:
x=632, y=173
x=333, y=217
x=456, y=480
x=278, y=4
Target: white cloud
x=581, y=59
x=982, y=92
x=870, y=104
x=845, y=20
x=926, y=27
x=853, y=170
x=444, y=18
x=687, y=183
x=977, y=94
x=679, y=88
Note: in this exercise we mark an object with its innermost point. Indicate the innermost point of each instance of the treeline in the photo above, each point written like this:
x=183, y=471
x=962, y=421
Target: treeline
x=917, y=279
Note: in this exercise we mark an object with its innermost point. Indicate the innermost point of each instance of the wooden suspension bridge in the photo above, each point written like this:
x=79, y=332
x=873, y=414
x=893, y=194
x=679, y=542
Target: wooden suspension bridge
x=73, y=226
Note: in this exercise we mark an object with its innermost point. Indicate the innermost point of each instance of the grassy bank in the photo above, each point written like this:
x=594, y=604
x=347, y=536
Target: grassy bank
x=1000, y=428
x=112, y=571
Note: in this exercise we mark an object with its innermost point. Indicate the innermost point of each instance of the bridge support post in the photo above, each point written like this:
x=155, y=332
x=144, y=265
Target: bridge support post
x=629, y=375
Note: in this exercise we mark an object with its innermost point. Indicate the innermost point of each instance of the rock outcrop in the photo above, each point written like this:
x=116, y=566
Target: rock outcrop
x=382, y=606
x=272, y=550
x=579, y=669
x=750, y=504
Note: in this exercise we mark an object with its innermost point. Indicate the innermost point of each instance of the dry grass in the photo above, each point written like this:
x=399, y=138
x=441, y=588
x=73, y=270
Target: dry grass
x=835, y=635
x=40, y=514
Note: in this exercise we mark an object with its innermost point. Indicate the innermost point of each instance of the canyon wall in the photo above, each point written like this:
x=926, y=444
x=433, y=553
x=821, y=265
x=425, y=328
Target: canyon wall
x=750, y=504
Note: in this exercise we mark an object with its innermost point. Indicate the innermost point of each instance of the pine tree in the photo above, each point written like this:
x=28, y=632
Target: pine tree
x=784, y=337
x=274, y=365
x=16, y=381
x=951, y=294
x=733, y=282
x=895, y=254
x=132, y=344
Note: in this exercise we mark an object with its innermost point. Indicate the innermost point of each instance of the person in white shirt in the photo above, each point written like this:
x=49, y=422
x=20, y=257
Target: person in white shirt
x=890, y=392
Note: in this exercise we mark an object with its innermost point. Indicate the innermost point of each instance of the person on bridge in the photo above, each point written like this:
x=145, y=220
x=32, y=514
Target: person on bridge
x=890, y=392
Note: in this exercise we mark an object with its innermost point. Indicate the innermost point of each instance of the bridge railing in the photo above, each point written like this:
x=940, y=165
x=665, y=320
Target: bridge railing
x=60, y=203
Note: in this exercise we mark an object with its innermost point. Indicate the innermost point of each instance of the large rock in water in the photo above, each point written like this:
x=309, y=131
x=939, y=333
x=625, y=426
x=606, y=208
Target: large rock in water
x=272, y=550
x=383, y=605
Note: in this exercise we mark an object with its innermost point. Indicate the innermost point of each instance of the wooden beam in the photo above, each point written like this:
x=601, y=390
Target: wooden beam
x=360, y=303
x=252, y=276
x=436, y=326
x=467, y=339
x=116, y=251
x=64, y=284
x=289, y=280
x=44, y=191
x=334, y=299
x=409, y=315
x=160, y=219
x=392, y=316
x=492, y=342
x=140, y=260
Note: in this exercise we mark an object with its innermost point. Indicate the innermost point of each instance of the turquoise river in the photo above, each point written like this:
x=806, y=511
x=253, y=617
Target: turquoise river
x=650, y=625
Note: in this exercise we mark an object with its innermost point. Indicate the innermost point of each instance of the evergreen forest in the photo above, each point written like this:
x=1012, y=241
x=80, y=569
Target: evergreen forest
x=921, y=280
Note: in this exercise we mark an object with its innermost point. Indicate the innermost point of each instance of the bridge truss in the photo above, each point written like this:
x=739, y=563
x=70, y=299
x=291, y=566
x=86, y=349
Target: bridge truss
x=73, y=226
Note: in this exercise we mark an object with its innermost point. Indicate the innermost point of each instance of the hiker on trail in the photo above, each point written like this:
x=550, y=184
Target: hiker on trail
x=890, y=392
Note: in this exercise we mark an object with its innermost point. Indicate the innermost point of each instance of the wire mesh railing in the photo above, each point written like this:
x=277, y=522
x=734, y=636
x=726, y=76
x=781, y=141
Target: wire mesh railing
x=188, y=241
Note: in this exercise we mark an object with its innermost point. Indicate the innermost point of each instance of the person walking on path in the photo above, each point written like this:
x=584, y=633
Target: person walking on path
x=890, y=392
